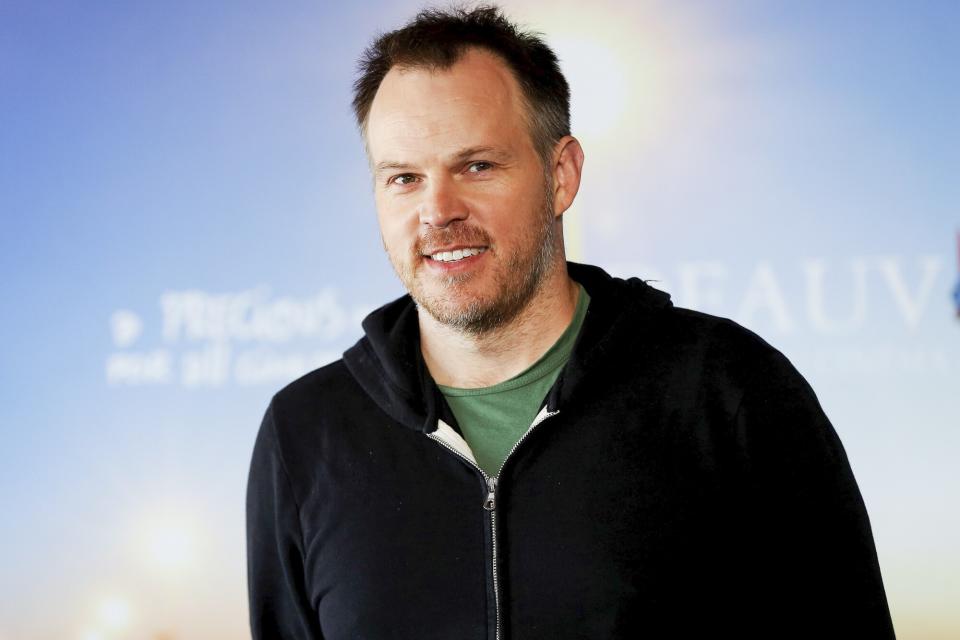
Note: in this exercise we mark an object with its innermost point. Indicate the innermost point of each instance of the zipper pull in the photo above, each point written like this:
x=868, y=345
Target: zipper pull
x=490, y=503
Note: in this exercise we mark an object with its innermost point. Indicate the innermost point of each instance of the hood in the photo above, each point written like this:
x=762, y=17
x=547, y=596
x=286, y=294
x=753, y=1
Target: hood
x=388, y=364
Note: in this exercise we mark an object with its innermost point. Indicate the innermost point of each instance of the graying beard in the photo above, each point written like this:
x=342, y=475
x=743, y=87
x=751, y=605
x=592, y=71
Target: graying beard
x=474, y=319
x=477, y=321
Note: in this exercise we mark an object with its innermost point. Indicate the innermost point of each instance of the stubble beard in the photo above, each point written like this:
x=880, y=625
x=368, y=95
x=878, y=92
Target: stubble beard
x=516, y=281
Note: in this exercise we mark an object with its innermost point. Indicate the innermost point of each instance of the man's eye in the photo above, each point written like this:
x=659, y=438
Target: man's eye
x=403, y=179
x=476, y=167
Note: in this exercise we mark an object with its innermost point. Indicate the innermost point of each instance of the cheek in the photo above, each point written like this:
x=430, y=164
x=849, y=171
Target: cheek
x=510, y=214
x=398, y=234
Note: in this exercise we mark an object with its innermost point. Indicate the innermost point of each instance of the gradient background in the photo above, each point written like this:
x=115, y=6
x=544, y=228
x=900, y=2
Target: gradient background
x=188, y=225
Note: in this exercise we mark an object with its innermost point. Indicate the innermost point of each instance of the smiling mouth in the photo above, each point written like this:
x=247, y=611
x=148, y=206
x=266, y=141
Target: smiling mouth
x=458, y=254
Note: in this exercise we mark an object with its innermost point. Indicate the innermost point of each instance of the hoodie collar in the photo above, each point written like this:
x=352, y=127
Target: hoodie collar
x=388, y=364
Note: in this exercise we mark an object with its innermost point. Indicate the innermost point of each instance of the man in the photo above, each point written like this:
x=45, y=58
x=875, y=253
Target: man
x=525, y=447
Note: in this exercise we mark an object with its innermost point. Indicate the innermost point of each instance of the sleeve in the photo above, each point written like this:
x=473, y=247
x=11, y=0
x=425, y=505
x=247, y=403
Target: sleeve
x=279, y=605
x=814, y=563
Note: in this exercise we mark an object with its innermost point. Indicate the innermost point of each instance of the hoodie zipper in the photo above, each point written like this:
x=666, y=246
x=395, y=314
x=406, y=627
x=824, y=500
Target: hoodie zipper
x=490, y=501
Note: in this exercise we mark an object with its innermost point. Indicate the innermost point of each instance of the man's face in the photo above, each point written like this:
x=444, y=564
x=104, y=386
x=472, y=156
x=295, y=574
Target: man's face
x=455, y=169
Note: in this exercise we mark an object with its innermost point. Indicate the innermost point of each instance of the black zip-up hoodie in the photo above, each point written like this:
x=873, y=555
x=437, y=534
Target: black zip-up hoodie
x=681, y=481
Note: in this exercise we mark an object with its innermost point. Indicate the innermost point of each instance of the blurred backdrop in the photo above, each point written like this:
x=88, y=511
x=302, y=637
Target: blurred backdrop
x=188, y=225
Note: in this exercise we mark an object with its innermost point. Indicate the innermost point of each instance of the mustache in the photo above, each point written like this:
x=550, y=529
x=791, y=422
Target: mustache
x=434, y=239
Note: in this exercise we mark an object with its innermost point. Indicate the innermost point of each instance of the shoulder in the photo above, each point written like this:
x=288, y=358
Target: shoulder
x=653, y=321
x=301, y=411
x=320, y=385
x=720, y=339
x=774, y=413
x=717, y=354
x=768, y=387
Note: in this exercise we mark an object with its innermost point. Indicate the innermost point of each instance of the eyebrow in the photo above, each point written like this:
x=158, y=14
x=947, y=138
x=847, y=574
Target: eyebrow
x=460, y=156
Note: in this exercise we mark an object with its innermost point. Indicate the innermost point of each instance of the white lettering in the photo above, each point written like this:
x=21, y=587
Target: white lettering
x=152, y=367
x=247, y=316
x=911, y=307
x=763, y=292
x=692, y=291
x=264, y=365
x=814, y=271
x=182, y=311
x=209, y=366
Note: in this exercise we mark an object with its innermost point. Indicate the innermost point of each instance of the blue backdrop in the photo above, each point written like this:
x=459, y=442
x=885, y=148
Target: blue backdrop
x=188, y=225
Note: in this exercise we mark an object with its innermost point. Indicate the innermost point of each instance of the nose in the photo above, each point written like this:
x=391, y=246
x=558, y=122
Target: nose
x=442, y=204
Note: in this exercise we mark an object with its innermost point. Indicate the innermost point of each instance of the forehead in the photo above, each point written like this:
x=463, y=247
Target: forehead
x=475, y=102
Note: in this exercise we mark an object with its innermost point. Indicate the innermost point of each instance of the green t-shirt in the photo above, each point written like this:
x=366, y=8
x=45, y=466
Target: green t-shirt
x=494, y=418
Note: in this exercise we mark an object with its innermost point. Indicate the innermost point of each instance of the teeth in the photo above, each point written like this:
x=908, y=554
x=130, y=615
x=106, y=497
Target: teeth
x=450, y=256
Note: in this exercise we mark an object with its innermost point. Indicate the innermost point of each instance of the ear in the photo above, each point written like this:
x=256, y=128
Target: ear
x=567, y=168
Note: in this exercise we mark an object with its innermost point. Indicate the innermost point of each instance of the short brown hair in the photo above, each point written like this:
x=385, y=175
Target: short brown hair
x=437, y=39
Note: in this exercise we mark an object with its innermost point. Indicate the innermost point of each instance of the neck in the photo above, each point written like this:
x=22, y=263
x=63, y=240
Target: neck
x=457, y=359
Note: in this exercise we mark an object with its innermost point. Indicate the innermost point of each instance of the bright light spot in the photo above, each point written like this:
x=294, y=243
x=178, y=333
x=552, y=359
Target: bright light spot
x=114, y=613
x=621, y=64
x=92, y=635
x=168, y=542
x=170, y=546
